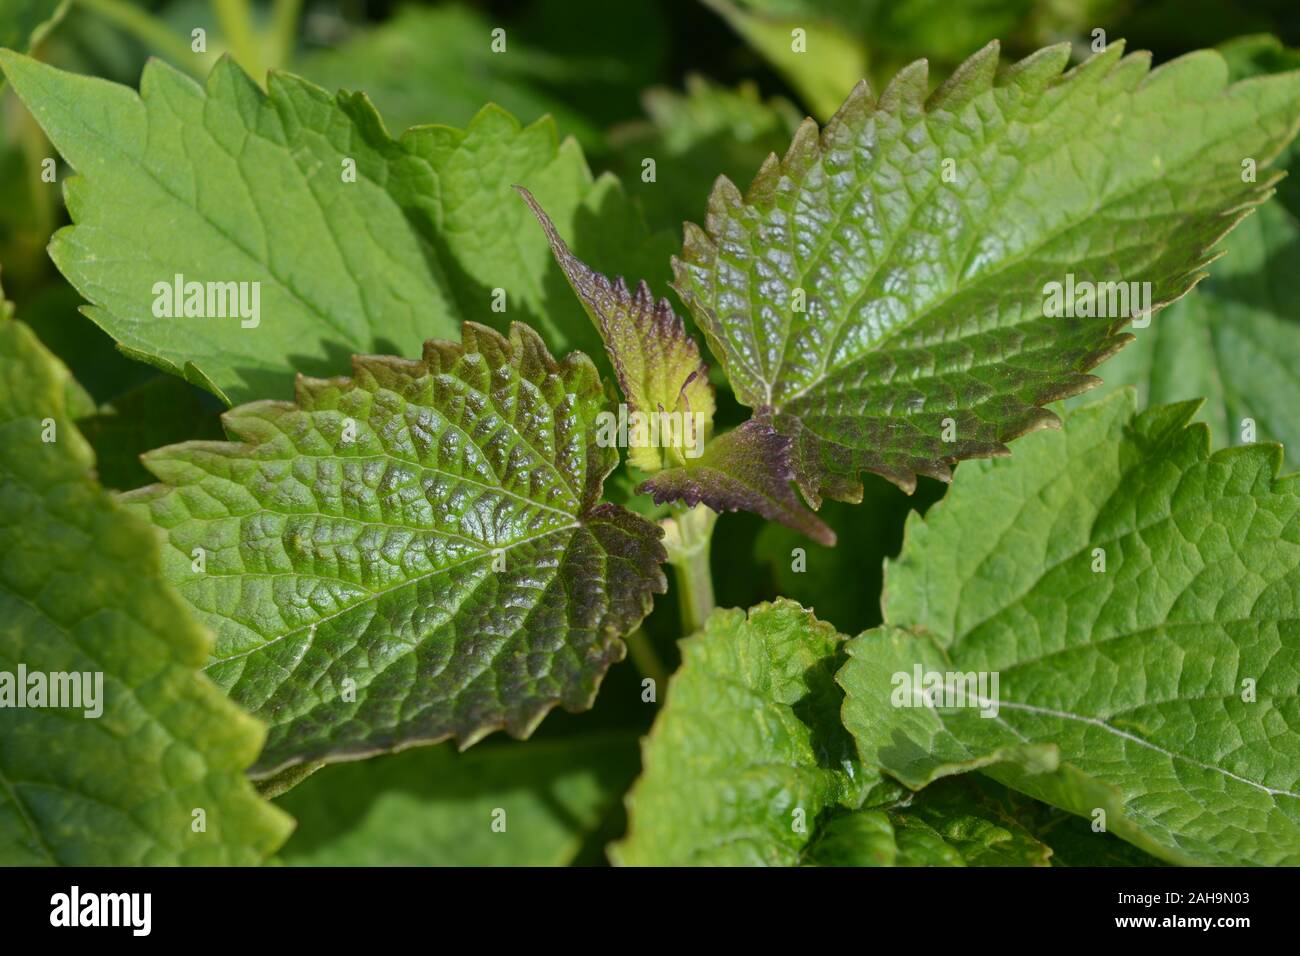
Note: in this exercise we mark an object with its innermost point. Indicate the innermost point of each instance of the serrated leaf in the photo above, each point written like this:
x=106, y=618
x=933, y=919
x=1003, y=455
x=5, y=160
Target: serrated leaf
x=516, y=804
x=1136, y=598
x=1234, y=340
x=924, y=317
x=80, y=591
x=416, y=553
x=225, y=183
x=748, y=750
x=749, y=764
x=486, y=238
x=1260, y=55
x=657, y=362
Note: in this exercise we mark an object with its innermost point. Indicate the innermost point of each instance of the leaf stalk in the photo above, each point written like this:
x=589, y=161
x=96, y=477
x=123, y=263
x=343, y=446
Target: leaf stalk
x=687, y=538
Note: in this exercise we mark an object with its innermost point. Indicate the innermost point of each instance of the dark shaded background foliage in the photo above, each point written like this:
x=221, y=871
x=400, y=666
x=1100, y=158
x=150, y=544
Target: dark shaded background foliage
x=604, y=61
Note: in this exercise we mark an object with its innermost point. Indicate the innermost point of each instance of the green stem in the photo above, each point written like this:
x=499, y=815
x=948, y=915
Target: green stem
x=271, y=787
x=687, y=536
x=284, y=30
x=148, y=29
x=236, y=20
x=45, y=196
x=646, y=658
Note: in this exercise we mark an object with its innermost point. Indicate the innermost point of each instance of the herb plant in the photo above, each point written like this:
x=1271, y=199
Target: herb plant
x=472, y=402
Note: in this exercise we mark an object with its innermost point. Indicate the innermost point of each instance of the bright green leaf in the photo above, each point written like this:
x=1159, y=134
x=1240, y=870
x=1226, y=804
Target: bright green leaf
x=749, y=764
x=1136, y=599
x=1260, y=55
x=416, y=553
x=81, y=591
x=225, y=184
x=879, y=293
x=357, y=242
x=487, y=240
x=748, y=750
x=1234, y=340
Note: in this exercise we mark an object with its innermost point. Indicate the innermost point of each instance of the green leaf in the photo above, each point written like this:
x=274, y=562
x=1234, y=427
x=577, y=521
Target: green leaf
x=1260, y=55
x=81, y=591
x=487, y=241
x=416, y=553
x=1136, y=598
x=224, y=183
x=1234, y=340
x=748, y=764
x=748, y=751
x=924, y=338
x=433, y=807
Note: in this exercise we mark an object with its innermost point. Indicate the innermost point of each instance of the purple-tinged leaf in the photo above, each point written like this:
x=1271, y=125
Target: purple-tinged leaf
x=656, y=360
x=747, y=468
x=881, y=293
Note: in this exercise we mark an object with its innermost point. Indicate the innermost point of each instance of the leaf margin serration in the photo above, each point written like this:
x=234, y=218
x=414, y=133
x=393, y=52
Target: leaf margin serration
x=980, y=73
x=620, y=533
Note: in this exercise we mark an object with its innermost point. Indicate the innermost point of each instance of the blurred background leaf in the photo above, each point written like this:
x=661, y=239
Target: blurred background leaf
x=436, y=65
x=434, y=806
x=694, y=137
x=23, y=23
